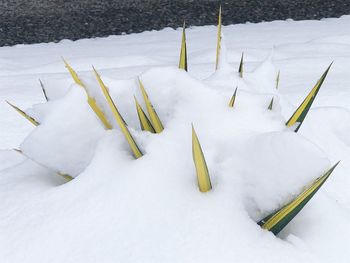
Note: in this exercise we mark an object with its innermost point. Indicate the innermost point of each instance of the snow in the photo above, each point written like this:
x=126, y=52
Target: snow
x=118, y=209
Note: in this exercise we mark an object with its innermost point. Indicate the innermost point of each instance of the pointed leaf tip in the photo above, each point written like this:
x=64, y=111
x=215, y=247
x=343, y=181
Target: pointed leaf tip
x=121, y=123
x=183, y=50
x=240, y=69
x=271, y=104
x=218, y=44
x=301, y=112
x=145, y=123
x=43, y=90
x=154, y=118
x=276, y=221
x=25, y=115
x=233, y=99
x=202, y=172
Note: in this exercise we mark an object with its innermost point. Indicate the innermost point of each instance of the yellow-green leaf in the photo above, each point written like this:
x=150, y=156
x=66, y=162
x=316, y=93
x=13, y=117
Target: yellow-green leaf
x=74, y=75
x=203, y=178
x=218, y=45
x=135, y=149
x=145, y=123
x=233, y=99
x=156, y=123
x=25, y=115
x=301, y=112
x=276, y=221
x=183, y=52
x=65, y=176
x=91, y=101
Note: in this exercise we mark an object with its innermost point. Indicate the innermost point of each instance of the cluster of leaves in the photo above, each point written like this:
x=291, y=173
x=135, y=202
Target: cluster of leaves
x=151, y=122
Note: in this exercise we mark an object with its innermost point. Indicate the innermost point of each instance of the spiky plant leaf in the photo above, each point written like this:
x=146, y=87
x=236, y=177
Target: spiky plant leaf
x=301, y=112
x=203, y=178
x=98, y=111
x=218, y=45
x=25, y=115
x=278, y=79
x=91, y=101
x=240, y=69
x=156, y=123
x=74, y=75
x=276, y=221
x=145, y=123
x=183, y=52
x=135, y=149
x=233, y=99
x=43, y=90
x=66, y=176
x=270, y=105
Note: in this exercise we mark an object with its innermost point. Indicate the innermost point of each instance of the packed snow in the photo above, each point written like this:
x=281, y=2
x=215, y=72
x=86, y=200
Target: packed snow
x=118, y=209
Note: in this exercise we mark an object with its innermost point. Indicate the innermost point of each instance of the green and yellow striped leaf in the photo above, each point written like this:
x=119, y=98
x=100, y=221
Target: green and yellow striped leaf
x=91, y=101
x=145, y=123
x=301, y=112
x=276, y=221
x=25, y=115
x=135, y=149
x=233, y=99
x=156, y=123
x=43, y=90
x=240, y=69
x=203, y=178
x=183, y=52
x=218, y=45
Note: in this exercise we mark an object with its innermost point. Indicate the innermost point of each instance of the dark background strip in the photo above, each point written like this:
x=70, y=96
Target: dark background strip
x=35, y=21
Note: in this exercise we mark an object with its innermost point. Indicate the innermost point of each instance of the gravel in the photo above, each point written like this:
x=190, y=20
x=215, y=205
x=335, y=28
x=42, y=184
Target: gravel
x=34, y=21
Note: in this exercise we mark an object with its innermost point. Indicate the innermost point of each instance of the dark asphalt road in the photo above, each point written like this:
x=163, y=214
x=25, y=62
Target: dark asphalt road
x=34, y=21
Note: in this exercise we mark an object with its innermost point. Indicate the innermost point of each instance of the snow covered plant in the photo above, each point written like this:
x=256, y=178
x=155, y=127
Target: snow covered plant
x=245, y=134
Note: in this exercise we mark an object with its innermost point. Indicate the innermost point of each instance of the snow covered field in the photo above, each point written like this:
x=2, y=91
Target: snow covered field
x=119, y=209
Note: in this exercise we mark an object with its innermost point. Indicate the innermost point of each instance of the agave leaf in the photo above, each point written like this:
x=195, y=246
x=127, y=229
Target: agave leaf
x=276, y=221
x=74, y=75
x=145, y=123
x=135, y=149
x=203, y=178
x=240, y=69
x=301, y=112
x=25, y=115
x=43, y=89
x=278, y=79
x=271, y=104
x=233, y=99
x=156, y=123
x=218, y=45
x=100, y=114
x=65, y=176
x=91, y=101
x=183, y=52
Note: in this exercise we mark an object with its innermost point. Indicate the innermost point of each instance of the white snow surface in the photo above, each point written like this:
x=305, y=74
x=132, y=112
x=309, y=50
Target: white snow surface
x=118, y=209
